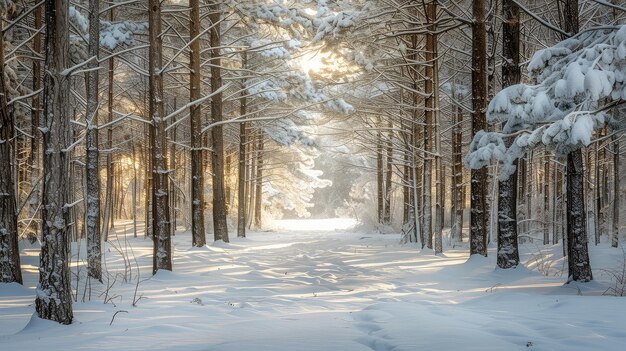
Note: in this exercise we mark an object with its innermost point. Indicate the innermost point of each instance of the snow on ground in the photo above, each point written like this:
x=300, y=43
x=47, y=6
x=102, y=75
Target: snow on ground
x=316, y=285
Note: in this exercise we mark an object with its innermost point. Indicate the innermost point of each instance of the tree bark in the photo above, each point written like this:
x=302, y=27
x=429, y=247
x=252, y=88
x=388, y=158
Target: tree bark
x=508, y=252
x=108, y=202
x=35, y=153
x=478, y=213
x=92, y=175
x=161, y=234
x=388, y=174
x=220, y=227
x=380, y=176
x=577, y=245
x=54, y=293
x=457, y=176
x=616, y=192
x=197, y=154
x=241, y=188
x=10, y=270
x=258, y=197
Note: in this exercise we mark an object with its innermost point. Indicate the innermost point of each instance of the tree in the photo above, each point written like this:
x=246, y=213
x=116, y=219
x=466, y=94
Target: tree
x=220, y=226
x=92, y=175
x=54, y=300
x=161, y=234
x=478, y=212
x=195, y=120
x=10, y=270
x=508, y=253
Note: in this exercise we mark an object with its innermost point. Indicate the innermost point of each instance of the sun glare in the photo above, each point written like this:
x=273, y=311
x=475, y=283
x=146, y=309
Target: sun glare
x=314, y=62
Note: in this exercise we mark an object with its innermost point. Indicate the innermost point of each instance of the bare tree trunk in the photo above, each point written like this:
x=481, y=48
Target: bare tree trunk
x=429, y=111
x=10, y=270
x=478, y=214
x=35, y=156
x=92, y=217
x=508, y=252
x=578, y=252
x=54, y=293
x=616, y=192
x=195, y=111
x=252, y=152
x=241, y=189
x=134, y=165
x=172, y=167
x=380, y=185
x=388, y=175
x=258, y=197
x=457, y=177
x=546, y=198
x=161, y=234
x=220, y=227
x=108, y=202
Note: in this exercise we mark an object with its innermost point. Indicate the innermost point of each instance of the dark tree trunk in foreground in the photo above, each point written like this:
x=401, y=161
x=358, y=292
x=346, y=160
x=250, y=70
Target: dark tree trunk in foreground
x=92, y=175
x=220, y=227
x=161, y=234
x=35, y=152
x=578, y=252
x=478, y=211
x=508, y=253
x=197, y=157
x=54, y=293
x=9, y=251
x=577, y=249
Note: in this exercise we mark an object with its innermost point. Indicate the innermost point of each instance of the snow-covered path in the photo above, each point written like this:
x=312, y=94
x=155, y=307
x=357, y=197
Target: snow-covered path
x=309, y=287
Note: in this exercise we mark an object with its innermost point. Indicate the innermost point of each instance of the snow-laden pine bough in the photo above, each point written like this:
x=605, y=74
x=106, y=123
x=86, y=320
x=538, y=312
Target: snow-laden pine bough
x=578, y=81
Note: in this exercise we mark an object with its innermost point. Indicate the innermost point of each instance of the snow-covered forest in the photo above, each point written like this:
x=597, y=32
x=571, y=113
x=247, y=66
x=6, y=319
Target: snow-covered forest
x=338, y=175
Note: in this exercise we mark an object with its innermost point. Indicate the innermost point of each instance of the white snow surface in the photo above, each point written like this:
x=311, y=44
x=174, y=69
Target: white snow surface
x=319, y=285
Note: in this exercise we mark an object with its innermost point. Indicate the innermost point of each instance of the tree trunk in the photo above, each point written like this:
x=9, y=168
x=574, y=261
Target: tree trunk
x=108, y=202
x=220, y=227
x=388, y=175
x=35, y=152
x=195, y=111
x=258, y=197
x=478, y=213
x=380, y=185
x=161, y=234
x=508, y=253
x=457, y=176
x=10, y=270
x=577, y=249
x=546, y=198
x=241, y=188
x=92, y=203
x=427, y=203
x=616, y=192
x=54, y=292
x=578, y=252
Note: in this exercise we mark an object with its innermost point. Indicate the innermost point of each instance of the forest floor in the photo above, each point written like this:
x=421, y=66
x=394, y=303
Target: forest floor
x=317, y=285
